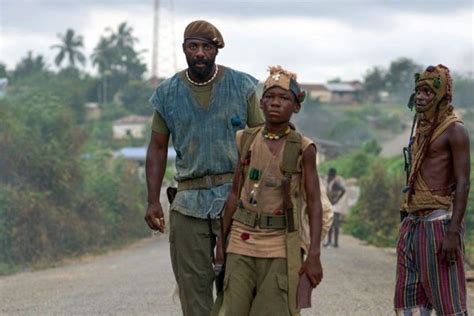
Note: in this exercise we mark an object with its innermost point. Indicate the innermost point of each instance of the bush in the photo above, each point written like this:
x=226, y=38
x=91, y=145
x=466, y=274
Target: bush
x=54, y=200
x=376, y=216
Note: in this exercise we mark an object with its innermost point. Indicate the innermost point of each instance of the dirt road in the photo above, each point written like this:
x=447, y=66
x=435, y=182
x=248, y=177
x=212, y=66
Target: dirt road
x=358, y=280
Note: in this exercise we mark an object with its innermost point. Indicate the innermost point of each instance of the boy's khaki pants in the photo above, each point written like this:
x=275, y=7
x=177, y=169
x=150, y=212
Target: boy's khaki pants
x=255, y=286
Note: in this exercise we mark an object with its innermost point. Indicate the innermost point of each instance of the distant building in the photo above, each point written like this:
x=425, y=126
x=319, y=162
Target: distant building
x=340, y=92
x=130, y=126
x=138, y=155
x=343, y=92
x=317, y=92
x=93, y=111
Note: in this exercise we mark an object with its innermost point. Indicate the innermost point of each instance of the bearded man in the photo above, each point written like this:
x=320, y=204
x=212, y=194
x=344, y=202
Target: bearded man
x=201, y=108
x=430, y=265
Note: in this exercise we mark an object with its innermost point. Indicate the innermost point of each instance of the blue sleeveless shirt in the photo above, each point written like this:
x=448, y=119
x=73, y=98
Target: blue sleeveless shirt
x=204, y=139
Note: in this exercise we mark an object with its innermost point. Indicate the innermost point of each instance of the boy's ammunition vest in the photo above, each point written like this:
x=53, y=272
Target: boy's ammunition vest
x=297, y=237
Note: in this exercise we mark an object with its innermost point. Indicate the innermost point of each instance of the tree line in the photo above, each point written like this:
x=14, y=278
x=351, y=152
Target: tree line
x=398, y=80
x=61, y=191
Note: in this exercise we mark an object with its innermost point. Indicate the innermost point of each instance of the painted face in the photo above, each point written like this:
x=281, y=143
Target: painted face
x=200, y=56
x=278, y=105
x=423, y=98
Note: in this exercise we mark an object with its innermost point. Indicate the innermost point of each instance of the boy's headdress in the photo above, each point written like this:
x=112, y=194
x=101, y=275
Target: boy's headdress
x=284, y=79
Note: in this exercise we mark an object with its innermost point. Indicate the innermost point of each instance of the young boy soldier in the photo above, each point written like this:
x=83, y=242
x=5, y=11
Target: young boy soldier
x=277, y=166
x=430, y=265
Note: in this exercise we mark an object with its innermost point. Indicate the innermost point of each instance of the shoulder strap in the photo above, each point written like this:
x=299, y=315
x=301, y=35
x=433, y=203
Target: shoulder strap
x=291, y=153
x=248, y=136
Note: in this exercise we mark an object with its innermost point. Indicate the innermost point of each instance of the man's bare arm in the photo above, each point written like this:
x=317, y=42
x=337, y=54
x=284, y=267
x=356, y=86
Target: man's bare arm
x=229, y=210
x=458, y=139
x=459, y=143
x=156, y=158
x=232, y=198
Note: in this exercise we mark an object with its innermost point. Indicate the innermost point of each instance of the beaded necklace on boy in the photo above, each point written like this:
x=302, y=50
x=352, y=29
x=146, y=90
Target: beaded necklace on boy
x=274, y=136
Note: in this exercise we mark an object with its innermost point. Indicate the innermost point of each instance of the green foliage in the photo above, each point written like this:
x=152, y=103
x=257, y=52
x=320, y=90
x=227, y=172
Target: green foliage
x=374, y=83
x=3, y=70
x=355, y=164
x=400, y=78
x=135, y=95
x=469, y=222
x=463, y=91
x=375, y=217
x=56, y=201
x=117, y=60
x=372, y=147
x=29, y=65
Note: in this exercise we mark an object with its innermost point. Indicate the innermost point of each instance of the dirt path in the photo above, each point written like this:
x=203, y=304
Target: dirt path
x=394, y=146
x=358, y=280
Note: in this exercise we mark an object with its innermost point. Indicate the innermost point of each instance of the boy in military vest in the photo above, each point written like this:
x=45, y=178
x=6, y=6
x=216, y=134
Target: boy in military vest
x=277, y=167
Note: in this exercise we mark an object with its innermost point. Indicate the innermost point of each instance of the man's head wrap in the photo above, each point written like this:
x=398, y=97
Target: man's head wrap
x=282, y=78
x=439, y=80
x=204, y=30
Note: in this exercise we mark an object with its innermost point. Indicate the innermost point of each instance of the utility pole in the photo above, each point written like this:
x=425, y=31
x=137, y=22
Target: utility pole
x=163, y=64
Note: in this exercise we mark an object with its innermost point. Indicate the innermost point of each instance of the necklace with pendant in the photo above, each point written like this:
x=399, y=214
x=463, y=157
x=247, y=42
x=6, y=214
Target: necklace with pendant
x=203, y=83
x=275, y=136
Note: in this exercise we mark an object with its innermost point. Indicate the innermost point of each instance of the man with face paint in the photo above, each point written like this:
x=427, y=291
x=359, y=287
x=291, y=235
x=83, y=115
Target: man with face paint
x=201, y=108
x=430, y=263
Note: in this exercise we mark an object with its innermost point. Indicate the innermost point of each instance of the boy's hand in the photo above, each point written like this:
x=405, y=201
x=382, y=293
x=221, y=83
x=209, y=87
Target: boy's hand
x=313, y=269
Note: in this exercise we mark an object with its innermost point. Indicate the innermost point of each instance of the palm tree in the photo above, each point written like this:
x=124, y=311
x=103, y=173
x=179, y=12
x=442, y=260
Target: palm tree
x=103, y=56
x=123, y=39
x=70, y=48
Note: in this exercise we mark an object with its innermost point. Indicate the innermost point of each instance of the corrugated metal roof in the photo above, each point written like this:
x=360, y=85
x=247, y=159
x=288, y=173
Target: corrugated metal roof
x=139, y=153
x=340, y=87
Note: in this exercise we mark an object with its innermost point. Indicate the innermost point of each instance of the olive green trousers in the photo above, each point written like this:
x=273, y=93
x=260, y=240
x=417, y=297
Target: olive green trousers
x=190, y=245
x=255, y=287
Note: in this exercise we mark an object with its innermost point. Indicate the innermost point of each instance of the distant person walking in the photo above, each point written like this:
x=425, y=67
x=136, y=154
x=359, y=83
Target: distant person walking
x=336, y=191
x=201, y=108
x=430, y=258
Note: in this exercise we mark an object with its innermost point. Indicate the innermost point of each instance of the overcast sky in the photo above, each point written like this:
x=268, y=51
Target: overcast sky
x=318, y=40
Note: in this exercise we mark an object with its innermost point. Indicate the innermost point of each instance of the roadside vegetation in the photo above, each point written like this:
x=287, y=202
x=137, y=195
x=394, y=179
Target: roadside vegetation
x=64, y=193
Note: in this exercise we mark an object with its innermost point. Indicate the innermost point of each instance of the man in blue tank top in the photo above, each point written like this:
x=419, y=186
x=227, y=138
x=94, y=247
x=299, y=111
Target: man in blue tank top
x=201, y=108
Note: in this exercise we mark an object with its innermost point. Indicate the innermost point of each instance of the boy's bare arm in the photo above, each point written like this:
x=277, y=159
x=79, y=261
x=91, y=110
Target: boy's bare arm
x=313, y=198
x=312, y=265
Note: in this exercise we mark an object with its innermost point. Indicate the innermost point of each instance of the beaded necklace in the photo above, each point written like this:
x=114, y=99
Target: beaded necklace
x=274, y=136
x=203, y=83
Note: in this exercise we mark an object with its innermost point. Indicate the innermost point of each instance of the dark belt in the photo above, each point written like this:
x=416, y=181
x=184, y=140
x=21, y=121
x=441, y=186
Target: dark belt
x=205, y=182
x=267, y=221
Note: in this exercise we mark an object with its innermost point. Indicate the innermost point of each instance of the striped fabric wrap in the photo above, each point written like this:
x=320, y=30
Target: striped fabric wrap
x=425, y=281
